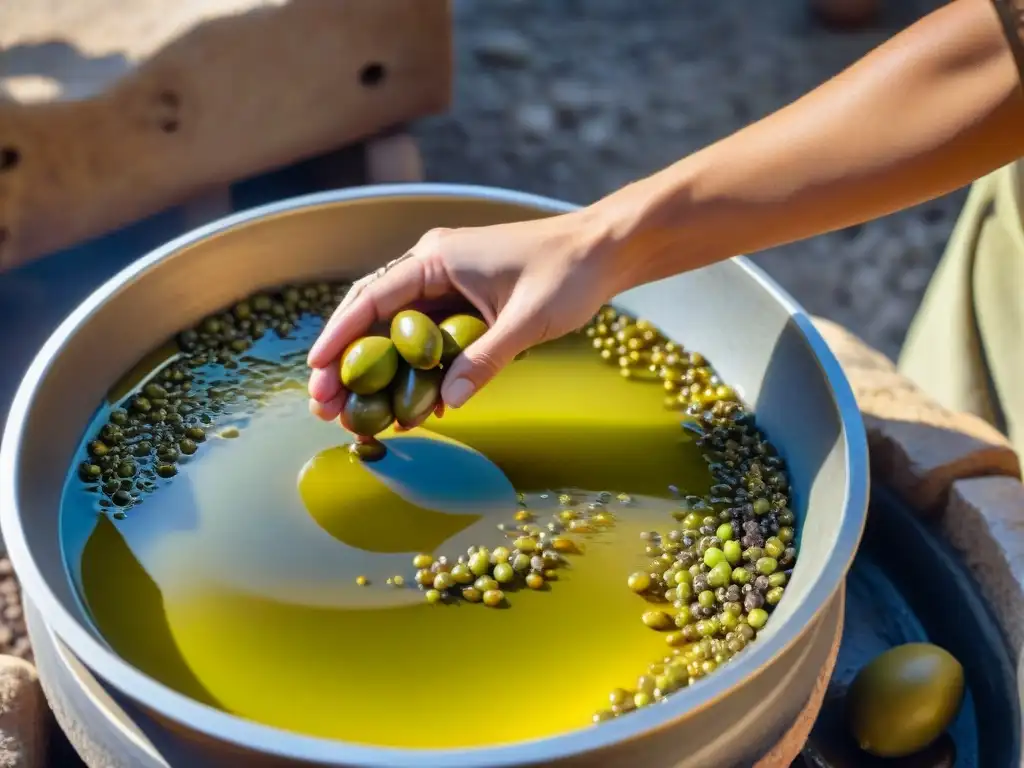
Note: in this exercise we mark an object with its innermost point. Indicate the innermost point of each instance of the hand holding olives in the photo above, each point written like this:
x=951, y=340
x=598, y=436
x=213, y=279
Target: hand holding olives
x=398, y=378
x=530, y=281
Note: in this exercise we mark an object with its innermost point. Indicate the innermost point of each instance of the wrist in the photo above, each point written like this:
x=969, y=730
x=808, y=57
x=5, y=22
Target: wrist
x=656, y=227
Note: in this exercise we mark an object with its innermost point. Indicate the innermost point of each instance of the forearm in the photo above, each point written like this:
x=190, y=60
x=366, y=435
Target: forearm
x=929, y=111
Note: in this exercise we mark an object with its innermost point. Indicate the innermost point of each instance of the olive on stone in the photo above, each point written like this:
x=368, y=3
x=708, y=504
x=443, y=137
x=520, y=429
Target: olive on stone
x=457, y=333
x=414, y=395
x=368, y=365
x=367, y=415
x=904, y=699
x=417, y=339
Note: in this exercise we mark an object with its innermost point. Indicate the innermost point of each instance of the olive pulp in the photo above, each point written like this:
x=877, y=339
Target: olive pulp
x=271, y=610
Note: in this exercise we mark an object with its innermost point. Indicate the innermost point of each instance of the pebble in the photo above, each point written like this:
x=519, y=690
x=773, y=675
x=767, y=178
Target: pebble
x=23, y=715
x=13, y=633
x=503, y=48
x=535, y=120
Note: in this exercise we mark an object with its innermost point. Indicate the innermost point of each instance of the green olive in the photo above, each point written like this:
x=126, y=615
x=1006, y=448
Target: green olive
x=417, y=339
x=414, y=395
x=503, y=573
x=422, y=561
x=369, y=364
x=458, y=332
x=904, y=699
x=657, y=620
x=493, y=598
x=639, y=581
x=480, y=563
x=366, y=415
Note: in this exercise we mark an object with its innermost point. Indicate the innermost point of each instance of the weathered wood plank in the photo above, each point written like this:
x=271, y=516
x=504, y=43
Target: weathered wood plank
x=113, y=111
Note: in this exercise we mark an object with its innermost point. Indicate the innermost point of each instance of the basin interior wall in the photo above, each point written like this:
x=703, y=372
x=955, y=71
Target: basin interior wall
x=757, y=344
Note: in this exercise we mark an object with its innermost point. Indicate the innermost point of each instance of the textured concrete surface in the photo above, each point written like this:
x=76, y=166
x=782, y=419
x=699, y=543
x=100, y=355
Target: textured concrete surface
x=573, y=98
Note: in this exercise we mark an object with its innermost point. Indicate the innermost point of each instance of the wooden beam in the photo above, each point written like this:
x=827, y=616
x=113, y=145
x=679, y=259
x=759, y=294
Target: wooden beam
x=111, y=111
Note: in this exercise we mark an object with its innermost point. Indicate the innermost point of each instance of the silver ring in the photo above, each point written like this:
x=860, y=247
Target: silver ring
x=361, y=283
x=380, y=272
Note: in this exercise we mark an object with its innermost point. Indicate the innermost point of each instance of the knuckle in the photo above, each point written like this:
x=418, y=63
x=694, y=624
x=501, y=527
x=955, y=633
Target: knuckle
x=433, y=241
x=486, y=364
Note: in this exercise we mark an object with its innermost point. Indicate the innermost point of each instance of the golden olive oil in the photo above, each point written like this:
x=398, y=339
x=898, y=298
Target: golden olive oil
x=237, y=581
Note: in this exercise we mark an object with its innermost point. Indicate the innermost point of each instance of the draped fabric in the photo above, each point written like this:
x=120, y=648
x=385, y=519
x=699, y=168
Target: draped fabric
x=966, y=344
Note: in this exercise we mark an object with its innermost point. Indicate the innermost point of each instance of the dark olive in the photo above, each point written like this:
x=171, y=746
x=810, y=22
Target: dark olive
x=458, y=332
x=372, y=450
x=414, y=395
x=369, y=365
x=417, y=339
x=367, y=415
x=904, y=699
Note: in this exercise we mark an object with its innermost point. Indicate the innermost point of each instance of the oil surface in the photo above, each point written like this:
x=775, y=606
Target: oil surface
x=234, y=583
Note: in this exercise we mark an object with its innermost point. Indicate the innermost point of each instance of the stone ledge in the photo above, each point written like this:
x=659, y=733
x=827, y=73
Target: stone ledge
x=23, y=715
x=984, y=521
x=918, y=448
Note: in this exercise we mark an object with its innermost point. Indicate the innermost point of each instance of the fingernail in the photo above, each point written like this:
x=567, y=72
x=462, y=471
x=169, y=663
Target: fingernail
x=458, y=392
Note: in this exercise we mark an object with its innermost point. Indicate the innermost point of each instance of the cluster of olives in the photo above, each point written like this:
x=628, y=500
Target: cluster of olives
x=397, y=378
x=534, y=555
x=167, y=419
x=715, y=576
x=642, y=353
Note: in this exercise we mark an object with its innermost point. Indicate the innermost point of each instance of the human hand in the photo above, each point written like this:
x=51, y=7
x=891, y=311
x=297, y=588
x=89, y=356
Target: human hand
x=531, y=281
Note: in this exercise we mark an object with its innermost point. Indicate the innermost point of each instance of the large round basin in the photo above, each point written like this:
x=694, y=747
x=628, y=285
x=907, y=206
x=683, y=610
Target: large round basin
x=757, y=337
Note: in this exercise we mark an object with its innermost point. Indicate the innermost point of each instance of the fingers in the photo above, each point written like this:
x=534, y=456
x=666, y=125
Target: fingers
x=324, y=383
x=485, y=357
x=415, y=276
x=328, y=411
x=378, y=300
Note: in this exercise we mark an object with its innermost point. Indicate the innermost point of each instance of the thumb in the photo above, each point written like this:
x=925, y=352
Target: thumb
x=484, y=358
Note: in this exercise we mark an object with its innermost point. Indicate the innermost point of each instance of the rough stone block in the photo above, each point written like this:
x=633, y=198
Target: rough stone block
x=984, y=521
x=23, y=715
x=918, y=448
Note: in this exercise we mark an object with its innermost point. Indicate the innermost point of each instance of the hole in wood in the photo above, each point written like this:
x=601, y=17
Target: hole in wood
x=169, y=99
x=9, y=158
x=373, y=74
x=169, y=126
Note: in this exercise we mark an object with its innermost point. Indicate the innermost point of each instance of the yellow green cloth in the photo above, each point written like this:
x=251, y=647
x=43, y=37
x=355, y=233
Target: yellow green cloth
x=966, y=345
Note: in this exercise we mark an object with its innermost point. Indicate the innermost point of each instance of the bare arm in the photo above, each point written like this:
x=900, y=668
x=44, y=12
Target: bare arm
x=929, y=111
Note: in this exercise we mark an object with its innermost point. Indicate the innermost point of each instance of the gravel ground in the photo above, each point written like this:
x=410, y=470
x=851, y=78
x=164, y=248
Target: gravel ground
x=574, y=98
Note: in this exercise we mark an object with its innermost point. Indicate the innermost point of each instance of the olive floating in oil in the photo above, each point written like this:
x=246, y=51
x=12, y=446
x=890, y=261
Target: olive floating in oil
x=414, y=395
x=458, y=332
x=904, y=699
x=369, y=364
x=417, y=339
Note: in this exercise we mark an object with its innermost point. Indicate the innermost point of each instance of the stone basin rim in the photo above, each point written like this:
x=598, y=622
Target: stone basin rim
x=276, y=742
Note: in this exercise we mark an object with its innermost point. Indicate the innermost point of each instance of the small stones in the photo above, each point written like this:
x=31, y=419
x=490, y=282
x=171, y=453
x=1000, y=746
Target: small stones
x=503, y=48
